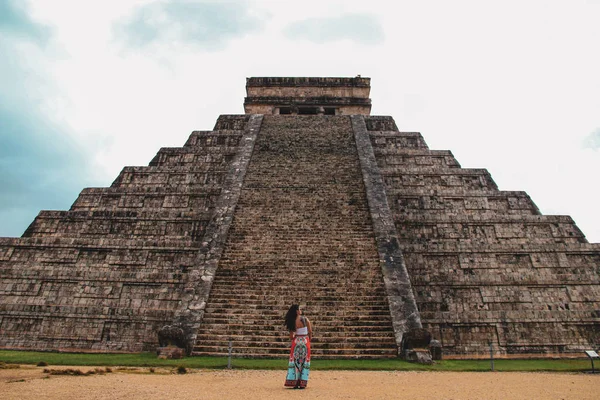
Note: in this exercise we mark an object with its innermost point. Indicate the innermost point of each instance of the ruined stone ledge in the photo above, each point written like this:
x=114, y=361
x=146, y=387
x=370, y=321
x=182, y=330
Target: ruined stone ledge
x=321, y=101
x=183, y=207
x=484, y=354
x=482, y=218
x=308, y=81
x=449, y=247
x=105, y=277
x=94, y=314
x=200, y=144
x=205, y=150
x=144, y=214
x=165, y=190
x=204, y=143
x=412, y=152
x=479, y=278
x=380, y=123
x=393, y=134
x=179, y=170
x=467, y=318
x=91, y=314
x=231, y=122
x=446, y=192
x=436, y=171
x=219, y=133
x=179, y=159
x=401, y=160
x=101, y=244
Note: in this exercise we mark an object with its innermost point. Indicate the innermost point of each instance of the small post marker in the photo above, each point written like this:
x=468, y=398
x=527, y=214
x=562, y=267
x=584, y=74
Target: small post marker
x=592, y=354
x=229, y=356
x=491, y=354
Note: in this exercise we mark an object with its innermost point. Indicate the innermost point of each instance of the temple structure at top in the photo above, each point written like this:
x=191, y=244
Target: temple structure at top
x=308, y=96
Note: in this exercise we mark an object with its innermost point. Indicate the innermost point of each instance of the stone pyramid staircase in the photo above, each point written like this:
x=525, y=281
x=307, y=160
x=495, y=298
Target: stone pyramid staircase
x=301, y=234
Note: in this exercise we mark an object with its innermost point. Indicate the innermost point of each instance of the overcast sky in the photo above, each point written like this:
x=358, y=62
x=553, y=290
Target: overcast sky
x=88, y=87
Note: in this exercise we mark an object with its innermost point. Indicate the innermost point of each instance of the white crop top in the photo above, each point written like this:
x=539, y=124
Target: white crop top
x=302, y=331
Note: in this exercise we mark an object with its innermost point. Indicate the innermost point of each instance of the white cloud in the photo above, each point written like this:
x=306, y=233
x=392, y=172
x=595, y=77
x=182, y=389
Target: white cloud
x=592, y=141
x=206, y=24
x=359, y=28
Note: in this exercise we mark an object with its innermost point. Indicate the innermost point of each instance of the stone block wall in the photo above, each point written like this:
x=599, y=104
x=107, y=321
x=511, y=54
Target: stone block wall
x=109, y=273
x=485, y=265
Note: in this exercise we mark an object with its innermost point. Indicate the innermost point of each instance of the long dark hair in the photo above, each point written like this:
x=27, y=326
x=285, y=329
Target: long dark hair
x=290, y=317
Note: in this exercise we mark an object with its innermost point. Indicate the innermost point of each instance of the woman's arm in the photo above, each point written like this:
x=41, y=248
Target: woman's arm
x=309, y=326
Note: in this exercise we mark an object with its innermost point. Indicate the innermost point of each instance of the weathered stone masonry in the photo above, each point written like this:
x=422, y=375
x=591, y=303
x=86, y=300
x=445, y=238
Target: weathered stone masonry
x=484, y=264
x=367, y=228
x=109, y=273
x=403, y=308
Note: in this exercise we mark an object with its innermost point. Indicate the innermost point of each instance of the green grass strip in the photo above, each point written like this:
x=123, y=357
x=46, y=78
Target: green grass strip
x=150, y=360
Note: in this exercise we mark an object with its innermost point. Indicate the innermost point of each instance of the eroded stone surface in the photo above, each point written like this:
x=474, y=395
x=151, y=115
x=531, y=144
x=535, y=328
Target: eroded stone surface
x=485, y=265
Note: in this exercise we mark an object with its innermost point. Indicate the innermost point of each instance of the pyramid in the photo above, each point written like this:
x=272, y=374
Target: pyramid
x=308, y=199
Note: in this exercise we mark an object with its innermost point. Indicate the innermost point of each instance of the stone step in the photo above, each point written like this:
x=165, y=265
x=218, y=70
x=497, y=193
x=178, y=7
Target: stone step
x=284, y=288
x=228, y=278
x=264, y=285
x=279, y=310
x=362, y=356
x=281, y=305
x=277, y=299
x=281, y=336
x=252, y=326
x=284, y=351
x=303, y=220
x=320, y=294
x=338, y=303
x=371, y=319
x=322, y=320
x=317, y=344
x=333, y=251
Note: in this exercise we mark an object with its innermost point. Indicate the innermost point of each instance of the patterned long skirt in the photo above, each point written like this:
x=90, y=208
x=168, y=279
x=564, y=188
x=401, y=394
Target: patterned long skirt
x=299, y=364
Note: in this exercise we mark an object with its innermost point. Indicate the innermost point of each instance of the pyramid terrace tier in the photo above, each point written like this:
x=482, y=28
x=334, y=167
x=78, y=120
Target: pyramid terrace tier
x=518, y=267
x=408, y=178
x=158, y=223
x=214, y=157
x=195, y=177
x=399, y=141
x=410, y=157
x=157, y=198
x=465, y=339
x=484, y=227
x=425, y=202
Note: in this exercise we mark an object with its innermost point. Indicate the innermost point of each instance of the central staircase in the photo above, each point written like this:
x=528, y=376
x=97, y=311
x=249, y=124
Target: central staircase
x=302, y=234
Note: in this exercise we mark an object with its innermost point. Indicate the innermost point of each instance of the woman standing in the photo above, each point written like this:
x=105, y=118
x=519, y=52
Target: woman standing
x=300, y=333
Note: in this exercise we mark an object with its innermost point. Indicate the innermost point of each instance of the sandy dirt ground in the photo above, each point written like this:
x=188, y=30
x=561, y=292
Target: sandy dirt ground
x=29, y=382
